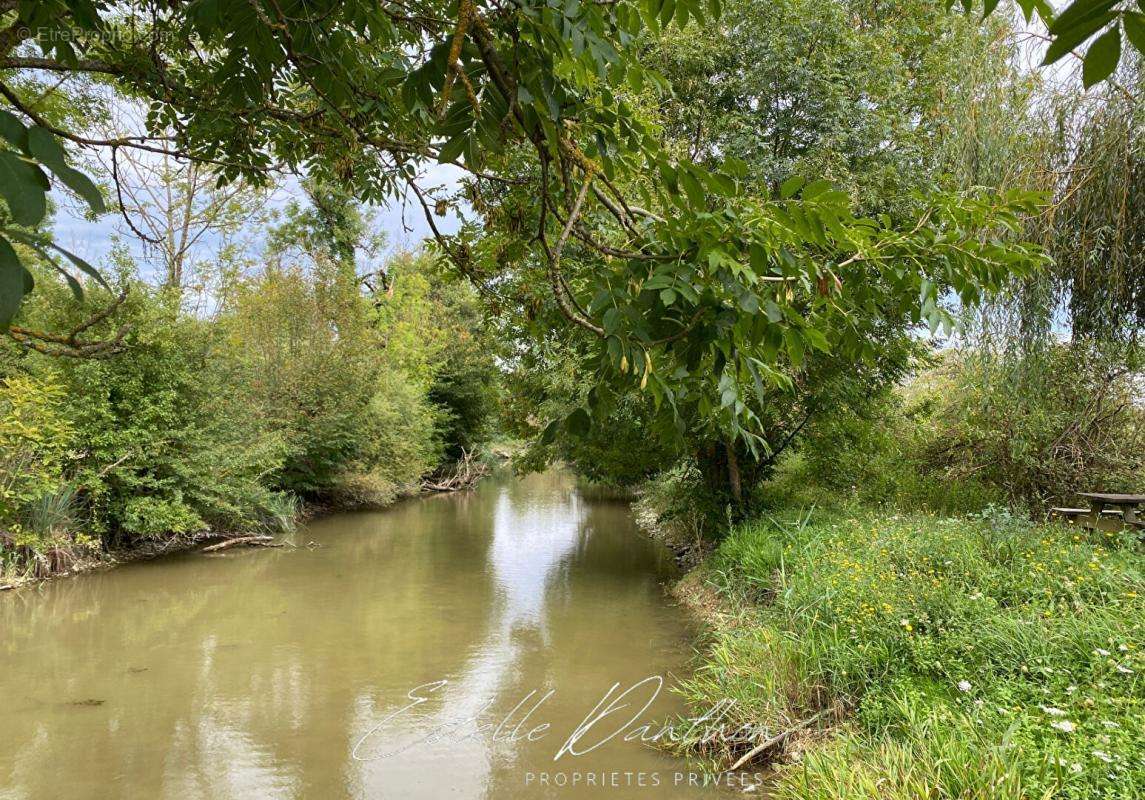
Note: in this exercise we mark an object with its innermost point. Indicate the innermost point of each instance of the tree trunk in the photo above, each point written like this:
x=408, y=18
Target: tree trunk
x=734, y=482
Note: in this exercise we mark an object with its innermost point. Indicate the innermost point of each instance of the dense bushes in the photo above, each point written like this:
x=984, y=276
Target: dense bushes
x=160, y=441
x=977, y=428
x=301, y=386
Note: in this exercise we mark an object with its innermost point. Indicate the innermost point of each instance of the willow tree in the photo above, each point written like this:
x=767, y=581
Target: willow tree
x=700, y=284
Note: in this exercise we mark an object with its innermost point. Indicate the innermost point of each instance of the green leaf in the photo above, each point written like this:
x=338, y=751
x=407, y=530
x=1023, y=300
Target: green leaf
x=667, y=297
x=816, y=188
x=794, y=346
x=1063, y=44
x=789, y=187
x=13, y=283
x=83, y=186
x=1080, y=13
x=817, y=339
x=578, y=422
x=550, y=432
x=1135, y=29
x=83, y=266
x=757, y=381
x=46, y=148
x=21, y=186
x=452, y=148
x=1102, y=57
x=12, y=129
x=73, y=284
x=692, y=188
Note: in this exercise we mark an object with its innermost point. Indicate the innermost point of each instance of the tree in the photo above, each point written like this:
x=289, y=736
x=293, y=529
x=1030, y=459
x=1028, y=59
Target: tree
x=364, y=95
x=788, y=88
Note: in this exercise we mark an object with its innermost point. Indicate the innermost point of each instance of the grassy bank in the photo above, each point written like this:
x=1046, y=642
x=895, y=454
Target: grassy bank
x=968, y=658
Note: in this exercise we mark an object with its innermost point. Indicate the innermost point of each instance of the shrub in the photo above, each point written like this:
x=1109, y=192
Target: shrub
x=301, y=385
x=34, y=442
x=677, y=507
x=975, y=429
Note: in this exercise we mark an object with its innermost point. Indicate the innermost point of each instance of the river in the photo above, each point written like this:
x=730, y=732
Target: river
x=447, y=647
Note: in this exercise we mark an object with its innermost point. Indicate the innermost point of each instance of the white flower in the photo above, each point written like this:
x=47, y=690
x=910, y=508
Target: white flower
x=1070, y=689
x=1123, y=669
x=1053, y=712
x=1075, y=767
x=1064, y=725
x=1109, y=723
x=976, y=596
x=1108, y=759
x=964, y=686
x=1124, y=648
x=1101, y=652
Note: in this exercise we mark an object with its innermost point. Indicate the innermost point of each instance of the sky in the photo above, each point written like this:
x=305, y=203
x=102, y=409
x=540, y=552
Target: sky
x=402, y=222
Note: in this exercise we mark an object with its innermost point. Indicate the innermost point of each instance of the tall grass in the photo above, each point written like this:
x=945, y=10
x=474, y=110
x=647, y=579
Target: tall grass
x=962, y=658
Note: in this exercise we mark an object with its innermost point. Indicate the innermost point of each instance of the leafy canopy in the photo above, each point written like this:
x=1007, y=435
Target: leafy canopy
x=366, y=95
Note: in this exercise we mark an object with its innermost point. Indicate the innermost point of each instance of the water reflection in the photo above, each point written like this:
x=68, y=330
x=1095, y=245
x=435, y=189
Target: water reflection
x=255, y=674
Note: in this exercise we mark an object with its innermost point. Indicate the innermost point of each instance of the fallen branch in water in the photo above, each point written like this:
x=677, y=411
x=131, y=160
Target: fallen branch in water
x=774, y=740
x=243, y=541
x=463, y=475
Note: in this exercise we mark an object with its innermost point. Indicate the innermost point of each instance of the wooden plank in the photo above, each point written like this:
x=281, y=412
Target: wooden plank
x=1114, y=498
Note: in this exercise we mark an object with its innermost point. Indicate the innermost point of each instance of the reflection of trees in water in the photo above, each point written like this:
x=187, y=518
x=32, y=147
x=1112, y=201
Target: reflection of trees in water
x=254, y=674
x=226, y=676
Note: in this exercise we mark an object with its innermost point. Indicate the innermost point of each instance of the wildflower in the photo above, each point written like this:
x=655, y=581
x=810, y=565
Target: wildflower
x=1108, y=759
x=1123, y=669
x=1123, y=647
x=1064, y=725
x=1110, y=723
x=1053, y=712
x=964, y=686
x=1075, y=767
x=1102, y=653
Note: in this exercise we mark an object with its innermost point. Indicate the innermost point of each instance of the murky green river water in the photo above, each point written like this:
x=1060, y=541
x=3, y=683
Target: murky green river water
x=413, y=653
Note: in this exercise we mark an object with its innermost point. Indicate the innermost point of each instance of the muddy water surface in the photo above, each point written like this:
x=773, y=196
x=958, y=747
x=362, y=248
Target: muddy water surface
x=448, y=647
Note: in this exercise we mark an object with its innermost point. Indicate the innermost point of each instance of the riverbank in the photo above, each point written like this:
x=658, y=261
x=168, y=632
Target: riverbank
x=356, y=493
x=358, y=496
x=916, y=656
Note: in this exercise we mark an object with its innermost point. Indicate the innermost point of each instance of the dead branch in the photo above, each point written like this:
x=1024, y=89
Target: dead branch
x=774, y=740
x=70, y=345
x=242, y=541
x=463, y=475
